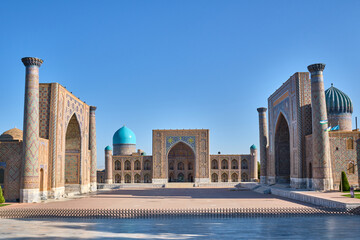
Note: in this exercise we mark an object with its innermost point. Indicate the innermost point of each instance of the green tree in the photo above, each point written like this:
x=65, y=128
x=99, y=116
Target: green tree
x=258, y=170
x=2, y=199
x=344, y=184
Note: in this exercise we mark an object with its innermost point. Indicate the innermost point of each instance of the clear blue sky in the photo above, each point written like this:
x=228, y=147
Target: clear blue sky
x=176, y=64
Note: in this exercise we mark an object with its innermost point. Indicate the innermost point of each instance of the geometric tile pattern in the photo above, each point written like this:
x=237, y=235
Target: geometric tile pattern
x=44, y=109
x=172, y=140
x=72, y=169
x=11, y=154
x=92, y=136
x=31, y=129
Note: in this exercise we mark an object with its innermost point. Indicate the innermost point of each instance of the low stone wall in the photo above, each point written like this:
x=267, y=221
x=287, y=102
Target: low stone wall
x=166, y=213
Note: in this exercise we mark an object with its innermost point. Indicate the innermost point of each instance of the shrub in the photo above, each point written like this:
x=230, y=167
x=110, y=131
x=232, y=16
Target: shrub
x=344, y=185
x=2, y=199
x=258, y=166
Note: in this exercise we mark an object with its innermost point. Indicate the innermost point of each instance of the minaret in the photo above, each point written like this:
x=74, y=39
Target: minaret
x=29, y=189
x=93, y=185
x=263, y=137
x=322, y=179
x=108, y=165
x=254, y=170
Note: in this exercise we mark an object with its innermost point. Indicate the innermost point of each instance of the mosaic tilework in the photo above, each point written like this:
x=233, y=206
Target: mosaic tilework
x=172, y=140
x=31, y=129
x=72, y=169
x=93, y=144
x=44, y=109
x=11, y=154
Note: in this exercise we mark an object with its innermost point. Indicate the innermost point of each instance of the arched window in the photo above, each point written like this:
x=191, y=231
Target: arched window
x=117, y=178
x=2, y=176
x=190, y=177
x=224, y=164
x=234, y=177
x=147, y=165
x=137, y=165
x=351, y=168
x=171, y=177
x=180, y=166
x=244, y=177
x=234, y=164
x=180, y=177
x=41, y=180
x=171, y=166
x=127, y=165
x=214, y=164
x=244, y=164
x=117, y=165
x=190, y=167
x=224, y=177
x=147, y=178
x=349, y=144
x=214, y=177
x=127, y=178
x=137, y=178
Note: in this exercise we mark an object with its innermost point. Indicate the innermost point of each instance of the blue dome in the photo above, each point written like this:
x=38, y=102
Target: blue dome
x=337, y=102
x=253, y=147
x=108, y=148
x=124, y=136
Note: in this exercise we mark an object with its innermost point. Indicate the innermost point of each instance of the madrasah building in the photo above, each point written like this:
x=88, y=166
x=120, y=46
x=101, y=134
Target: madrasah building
x=296, y=146
x=55, y=155
x=178, y=156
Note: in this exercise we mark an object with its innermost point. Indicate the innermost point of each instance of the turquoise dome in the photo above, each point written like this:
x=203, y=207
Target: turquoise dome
x=253, y=147
x=124, y=136
x=337, y=102
x=108, y=148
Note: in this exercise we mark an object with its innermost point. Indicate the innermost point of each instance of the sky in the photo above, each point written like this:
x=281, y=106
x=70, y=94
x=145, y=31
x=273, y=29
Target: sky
x=176, y=64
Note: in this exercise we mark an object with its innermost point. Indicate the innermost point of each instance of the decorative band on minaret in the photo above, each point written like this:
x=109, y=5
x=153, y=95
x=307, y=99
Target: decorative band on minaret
x=263, y=138
x=322, y=177
x=108, y=165
x=30, y=172
x=93, y=148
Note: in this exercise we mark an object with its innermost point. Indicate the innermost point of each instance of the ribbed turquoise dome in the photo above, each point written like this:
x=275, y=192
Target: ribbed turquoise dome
x=253, y=147
x=108, y=148
x=124, y=136
x=337, y=102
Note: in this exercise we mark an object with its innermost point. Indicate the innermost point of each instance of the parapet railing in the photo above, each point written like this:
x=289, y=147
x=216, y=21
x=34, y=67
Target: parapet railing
x=166, y=213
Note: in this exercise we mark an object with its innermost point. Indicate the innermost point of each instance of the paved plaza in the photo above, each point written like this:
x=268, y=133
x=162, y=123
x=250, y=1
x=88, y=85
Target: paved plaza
x=168, y=198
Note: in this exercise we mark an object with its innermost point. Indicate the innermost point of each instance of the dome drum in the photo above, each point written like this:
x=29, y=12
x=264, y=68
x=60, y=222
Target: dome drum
x=344, y=120
x=124, y=149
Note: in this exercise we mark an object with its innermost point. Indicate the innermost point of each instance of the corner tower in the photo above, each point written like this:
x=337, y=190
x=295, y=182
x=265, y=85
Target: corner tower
x=322, y=179
x=29, y=190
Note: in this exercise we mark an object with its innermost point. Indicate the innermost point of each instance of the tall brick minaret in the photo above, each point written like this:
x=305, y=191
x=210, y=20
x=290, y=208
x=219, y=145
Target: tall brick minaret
x=263, y=137
x=93, y=167
x=322, y=177
x=29, y=189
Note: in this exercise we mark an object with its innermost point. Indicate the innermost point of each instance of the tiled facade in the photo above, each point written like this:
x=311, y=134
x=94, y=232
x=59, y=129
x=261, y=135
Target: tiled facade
x=179, y=156
x=63, y=161
x=291, y=150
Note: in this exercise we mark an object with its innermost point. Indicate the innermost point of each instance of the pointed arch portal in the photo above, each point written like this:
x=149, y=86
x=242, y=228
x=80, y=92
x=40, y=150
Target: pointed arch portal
x=72, y=153
x=282, y=151
x=180, y=157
